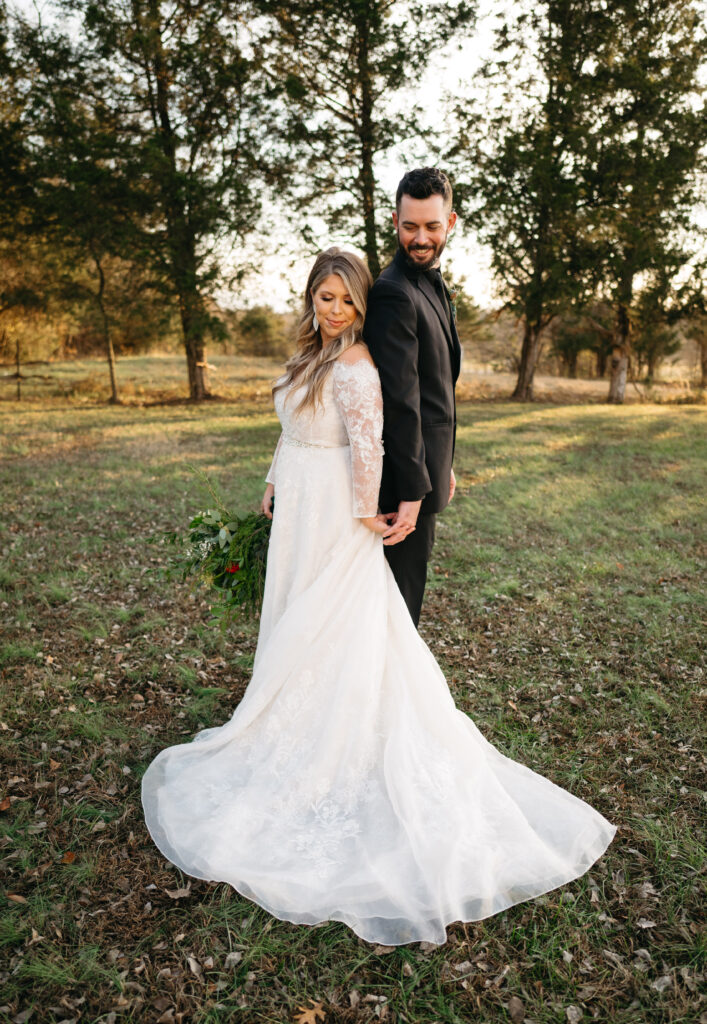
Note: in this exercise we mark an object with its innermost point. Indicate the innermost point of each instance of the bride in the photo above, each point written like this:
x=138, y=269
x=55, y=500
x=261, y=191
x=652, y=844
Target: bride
x=347, y=786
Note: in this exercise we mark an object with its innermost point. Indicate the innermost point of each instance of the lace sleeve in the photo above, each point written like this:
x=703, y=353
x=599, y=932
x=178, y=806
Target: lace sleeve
x=270, y=478
x=357, y=393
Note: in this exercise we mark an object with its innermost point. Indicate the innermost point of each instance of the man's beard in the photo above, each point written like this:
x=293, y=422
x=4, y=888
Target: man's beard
x=421, y=264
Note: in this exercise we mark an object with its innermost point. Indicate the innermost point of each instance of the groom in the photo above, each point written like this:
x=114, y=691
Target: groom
x=412, y=336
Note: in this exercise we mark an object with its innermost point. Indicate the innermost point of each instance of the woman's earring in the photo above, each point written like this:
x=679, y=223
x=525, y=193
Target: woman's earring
x=315, y=322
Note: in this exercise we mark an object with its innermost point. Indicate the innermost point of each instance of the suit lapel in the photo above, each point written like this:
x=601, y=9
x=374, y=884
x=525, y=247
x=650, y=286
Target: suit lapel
x=430, y=293
x=456, y=344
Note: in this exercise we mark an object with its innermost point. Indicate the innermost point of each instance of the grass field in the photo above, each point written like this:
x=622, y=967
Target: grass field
x=146, y=379
x=566, y=606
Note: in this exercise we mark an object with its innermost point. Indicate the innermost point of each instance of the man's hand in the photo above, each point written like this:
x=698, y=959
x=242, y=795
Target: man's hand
x=267, y=501
x=452, y=485
x=402, y=522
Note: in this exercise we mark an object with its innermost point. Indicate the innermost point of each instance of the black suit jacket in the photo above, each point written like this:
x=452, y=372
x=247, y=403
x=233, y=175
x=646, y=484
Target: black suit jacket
x=418, y=356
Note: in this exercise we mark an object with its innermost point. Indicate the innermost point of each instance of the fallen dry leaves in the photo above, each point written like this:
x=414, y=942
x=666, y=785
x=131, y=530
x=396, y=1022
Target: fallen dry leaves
x=553, y=665
x=313, y=1014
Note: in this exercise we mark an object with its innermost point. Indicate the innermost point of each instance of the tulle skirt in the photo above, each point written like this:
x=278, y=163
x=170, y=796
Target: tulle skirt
x=347, y=786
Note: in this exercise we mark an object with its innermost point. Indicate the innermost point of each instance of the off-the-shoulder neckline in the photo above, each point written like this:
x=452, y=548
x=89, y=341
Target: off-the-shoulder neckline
x=359, y=362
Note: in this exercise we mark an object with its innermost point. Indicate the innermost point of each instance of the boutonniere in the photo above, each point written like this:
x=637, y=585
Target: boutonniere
x=453, y=293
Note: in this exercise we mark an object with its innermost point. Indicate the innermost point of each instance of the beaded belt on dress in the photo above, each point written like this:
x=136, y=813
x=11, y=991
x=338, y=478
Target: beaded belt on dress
x=288, y=439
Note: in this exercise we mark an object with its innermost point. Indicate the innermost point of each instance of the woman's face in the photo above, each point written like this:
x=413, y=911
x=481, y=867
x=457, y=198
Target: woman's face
x=334, y=308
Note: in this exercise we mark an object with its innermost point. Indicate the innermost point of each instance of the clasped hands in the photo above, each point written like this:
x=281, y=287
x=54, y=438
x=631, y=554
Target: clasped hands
x=392, y=526
x=395, y=526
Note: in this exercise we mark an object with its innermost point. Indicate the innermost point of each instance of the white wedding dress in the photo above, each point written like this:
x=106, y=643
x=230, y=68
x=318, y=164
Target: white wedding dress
x=347, y=786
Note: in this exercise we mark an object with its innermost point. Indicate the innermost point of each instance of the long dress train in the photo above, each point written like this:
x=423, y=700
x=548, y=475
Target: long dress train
x=347, y=786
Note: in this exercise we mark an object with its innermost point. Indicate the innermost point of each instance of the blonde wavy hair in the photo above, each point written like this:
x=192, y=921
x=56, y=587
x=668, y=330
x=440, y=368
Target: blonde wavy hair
x=312, y=362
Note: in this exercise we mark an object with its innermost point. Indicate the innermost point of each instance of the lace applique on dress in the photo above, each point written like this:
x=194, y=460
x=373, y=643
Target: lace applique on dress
x=357, y=393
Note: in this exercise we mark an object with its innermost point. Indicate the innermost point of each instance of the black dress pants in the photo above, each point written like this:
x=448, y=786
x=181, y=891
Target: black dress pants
x=409, y=559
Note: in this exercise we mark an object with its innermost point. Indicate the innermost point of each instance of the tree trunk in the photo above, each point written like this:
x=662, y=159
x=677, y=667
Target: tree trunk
x=702, y=342
x=107, y=340
x=367, y=176
x=110, y=356
x=191, y=310
x=180, y=233
x=601, y=355
x=572, y=365
x=191, y=313
x=18, y=372
x=530, y=352
x=619, y=356
x=619, y=374
x=652, y=364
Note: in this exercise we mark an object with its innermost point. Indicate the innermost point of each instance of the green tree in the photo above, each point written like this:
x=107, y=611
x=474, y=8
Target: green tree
x=472, y=321
x=696, y=329
x=644, y=148
x=571, y=335
x=688, y=308
x=21, y=271
x=175, y=86
x=597, y=314
x=654, y=338
x=516, y=164
x=23, y=298
x=263, y=333
x=15, y=176
x=13, y=180
x=79, y=203
x=347, y=67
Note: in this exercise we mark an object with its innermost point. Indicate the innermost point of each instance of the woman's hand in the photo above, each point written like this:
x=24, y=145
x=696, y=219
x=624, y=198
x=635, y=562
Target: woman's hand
x=402, y=523
x=377, y=524
x=267, y=500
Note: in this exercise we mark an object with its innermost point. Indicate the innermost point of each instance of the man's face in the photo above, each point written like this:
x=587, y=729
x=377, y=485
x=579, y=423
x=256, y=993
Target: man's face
x=422, y=226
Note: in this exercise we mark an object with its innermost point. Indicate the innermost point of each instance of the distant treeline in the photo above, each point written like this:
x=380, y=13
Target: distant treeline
x=140, y=142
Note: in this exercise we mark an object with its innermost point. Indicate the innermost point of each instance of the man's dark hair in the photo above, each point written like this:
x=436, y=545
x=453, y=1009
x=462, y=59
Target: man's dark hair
x=422, y=183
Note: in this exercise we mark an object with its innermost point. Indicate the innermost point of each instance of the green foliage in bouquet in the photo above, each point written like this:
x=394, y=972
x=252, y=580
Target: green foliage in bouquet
x=225, y=553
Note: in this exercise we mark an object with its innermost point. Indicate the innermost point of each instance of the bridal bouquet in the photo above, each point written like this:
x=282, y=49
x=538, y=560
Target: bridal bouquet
x=226, y=553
